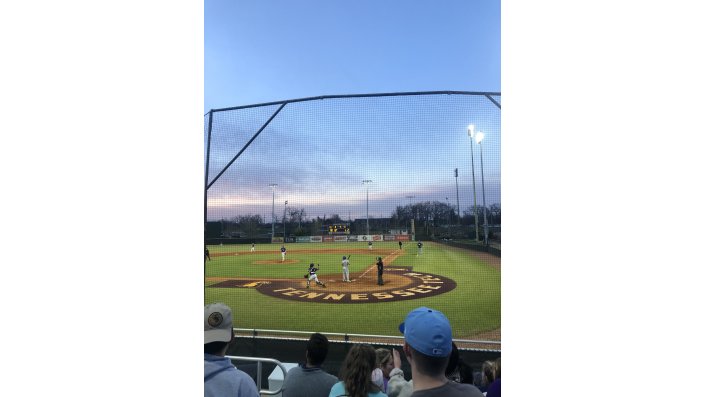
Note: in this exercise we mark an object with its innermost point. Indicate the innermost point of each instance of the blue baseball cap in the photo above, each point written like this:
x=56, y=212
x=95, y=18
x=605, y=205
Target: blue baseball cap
x=428, y=332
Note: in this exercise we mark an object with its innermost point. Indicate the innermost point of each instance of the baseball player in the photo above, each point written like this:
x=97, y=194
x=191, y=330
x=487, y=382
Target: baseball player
x=208, y=255
x=252, y=248
x=369, y=245
x=420, y=245
x=312, y=276
x=380, y=270
x=346, y=272
x=283, y=250
x=399, y=244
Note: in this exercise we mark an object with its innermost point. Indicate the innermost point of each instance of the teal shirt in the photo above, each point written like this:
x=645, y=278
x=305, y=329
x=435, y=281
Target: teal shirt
x=338, y=389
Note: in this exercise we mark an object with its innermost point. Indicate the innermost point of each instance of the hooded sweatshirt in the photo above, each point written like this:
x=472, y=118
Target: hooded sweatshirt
x=221, y=378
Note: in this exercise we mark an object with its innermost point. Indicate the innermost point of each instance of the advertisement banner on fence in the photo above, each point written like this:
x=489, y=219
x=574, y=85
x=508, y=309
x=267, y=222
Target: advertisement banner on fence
x=316, y=239
x=303, y=239
x=403, y=237
x=340, y=238
x=352, y=238
x=278, y=239
x=389, y=237
x=327, y=239
x=376, y=237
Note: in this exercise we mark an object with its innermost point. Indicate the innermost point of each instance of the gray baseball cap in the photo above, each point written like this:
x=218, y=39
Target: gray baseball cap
x=218, y=323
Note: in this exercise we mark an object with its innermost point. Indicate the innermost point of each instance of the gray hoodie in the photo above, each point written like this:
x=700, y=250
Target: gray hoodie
x=221, y=378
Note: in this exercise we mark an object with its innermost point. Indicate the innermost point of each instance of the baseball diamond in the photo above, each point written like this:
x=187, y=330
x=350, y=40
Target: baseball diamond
x=271, y=294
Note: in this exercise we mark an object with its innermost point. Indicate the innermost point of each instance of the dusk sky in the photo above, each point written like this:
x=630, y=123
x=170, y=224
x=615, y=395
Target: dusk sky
x=319, y=153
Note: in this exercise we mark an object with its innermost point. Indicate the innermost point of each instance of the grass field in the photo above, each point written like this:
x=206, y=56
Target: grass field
x=473, y=307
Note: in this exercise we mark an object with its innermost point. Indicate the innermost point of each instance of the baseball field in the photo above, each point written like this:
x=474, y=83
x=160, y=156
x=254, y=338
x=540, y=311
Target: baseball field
x=267, y=292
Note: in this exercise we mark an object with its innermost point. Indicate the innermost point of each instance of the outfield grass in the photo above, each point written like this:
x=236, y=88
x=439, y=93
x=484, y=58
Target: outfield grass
x=472, y=307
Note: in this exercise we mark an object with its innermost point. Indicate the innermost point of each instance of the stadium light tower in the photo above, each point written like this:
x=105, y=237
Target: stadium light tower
x=284, y=218
x=480, y=137
x=471, y=133
x=457, y=195
x=273, y=186
x=367, y=183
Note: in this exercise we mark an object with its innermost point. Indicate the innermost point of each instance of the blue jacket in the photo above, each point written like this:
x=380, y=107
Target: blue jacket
x=221, y=378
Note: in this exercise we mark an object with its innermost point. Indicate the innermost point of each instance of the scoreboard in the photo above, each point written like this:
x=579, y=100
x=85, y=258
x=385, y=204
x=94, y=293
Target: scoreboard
x=339, y=228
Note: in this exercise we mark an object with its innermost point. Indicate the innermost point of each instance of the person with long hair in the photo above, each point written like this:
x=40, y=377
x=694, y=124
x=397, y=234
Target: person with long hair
x=356, y=374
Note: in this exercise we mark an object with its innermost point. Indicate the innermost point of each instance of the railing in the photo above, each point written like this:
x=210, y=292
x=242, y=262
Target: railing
x=259, y=361
x=361, y=338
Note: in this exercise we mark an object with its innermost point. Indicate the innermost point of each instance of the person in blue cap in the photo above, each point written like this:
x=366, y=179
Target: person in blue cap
x=428, y=343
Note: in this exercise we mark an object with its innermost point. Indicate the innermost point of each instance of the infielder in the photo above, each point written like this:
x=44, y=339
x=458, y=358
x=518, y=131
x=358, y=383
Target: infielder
x=283, y=250
x=346, y=272
x=252, y=249
x=369, y=245
x=399, y=244
x=312, y=276
x=420, y=245
x=208, y=255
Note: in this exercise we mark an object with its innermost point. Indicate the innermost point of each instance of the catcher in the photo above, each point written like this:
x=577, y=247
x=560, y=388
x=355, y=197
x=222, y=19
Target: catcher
x=311, y=275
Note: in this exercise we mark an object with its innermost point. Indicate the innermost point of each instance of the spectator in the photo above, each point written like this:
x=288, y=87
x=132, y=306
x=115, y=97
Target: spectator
x=356, y=374
x=386, y=362
x=488, y=375
x=399, y=387
x=220, y=376
x=309, y=379
x=428, y=346
x=494, y=390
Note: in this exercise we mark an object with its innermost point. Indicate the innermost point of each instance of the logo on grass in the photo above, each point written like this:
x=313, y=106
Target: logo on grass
x=400, y=283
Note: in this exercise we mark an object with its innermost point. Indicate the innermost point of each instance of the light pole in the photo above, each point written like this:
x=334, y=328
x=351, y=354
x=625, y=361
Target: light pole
x=480, y=136
x=273, y=186
x=284, y=219
x=457, y=196
x=450, y=215
x=367, y=182
x=471, y=133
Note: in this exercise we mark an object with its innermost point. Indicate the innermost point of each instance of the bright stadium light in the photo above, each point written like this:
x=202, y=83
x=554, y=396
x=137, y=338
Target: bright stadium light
x=471, y=133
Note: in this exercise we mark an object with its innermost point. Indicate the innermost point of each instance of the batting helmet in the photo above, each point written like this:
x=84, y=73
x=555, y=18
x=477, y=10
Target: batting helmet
x=343, y=258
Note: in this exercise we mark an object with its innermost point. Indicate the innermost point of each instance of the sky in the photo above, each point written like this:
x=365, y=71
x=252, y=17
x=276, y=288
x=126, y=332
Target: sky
x=259, y=52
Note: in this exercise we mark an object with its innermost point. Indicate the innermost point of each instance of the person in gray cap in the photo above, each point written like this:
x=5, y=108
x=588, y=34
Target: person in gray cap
x=221, y=378
x=428, y=343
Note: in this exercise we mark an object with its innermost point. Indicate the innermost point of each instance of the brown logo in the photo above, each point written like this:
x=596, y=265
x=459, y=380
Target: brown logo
x=400, y=283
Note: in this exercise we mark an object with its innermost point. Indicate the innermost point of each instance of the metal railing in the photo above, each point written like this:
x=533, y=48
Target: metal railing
x=259, y=361
x=344, y=337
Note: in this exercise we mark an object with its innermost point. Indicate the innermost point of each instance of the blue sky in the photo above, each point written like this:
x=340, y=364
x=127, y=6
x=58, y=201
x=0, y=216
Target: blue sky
x=266, y=51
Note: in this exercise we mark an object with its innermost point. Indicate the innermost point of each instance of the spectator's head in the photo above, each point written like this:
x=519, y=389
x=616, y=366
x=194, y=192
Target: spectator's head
x=488, y=373
x=427, y=341
x=316, y=349
x=218, y=328
x=497, y=368
x=356, y=371
x=385, y=361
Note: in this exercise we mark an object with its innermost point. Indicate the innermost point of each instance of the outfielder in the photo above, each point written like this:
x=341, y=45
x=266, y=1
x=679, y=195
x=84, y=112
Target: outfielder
x=346, y=272
x=283, y=250
x=312, y=276
x=420, y=246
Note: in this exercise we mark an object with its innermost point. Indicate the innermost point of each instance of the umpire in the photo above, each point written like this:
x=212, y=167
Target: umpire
x=380, y=270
